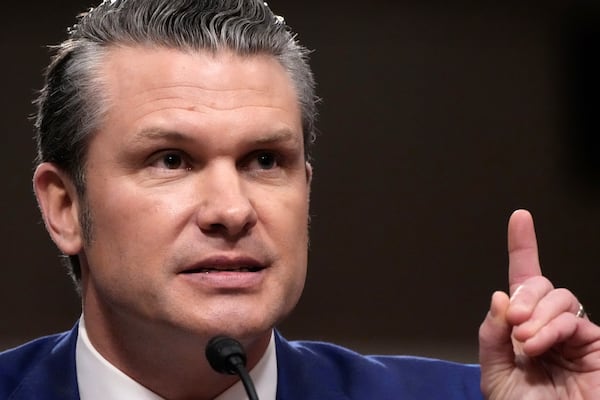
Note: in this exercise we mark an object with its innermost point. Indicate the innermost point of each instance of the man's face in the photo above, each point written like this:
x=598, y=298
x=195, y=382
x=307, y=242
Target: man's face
x=198, y=191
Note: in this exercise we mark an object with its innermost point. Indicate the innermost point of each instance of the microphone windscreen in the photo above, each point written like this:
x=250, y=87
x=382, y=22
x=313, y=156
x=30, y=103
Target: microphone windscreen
x=223, y=353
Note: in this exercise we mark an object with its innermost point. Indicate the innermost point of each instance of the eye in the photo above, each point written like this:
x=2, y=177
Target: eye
x=171, y=160
x=266, y=160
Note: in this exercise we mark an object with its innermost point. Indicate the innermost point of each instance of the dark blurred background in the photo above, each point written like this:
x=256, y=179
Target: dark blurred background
x=438, y=120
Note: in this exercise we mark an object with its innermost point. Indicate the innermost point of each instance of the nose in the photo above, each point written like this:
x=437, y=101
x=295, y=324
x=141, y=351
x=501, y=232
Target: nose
x=225, y=208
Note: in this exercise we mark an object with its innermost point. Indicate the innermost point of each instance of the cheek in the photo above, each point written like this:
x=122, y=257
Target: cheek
x=286, y=223
x=129, y=230
x=286, y=218
x=135, y=214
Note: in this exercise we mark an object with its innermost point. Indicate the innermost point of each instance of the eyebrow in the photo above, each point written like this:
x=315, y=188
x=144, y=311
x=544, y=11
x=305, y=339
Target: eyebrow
x=160, y=134
x=277, y=137
x=156, y=134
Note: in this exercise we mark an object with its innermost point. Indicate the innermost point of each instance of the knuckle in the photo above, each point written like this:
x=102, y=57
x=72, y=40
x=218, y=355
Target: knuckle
x=565, y=293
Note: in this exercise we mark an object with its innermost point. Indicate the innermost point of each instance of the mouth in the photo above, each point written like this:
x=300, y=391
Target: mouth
x=223, y=273
x=224, y=264
x=217, y=269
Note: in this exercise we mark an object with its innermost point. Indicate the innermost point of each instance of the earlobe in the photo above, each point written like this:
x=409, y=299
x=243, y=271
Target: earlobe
x=58, y=202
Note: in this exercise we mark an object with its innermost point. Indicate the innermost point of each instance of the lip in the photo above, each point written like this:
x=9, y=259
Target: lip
x=225, y=272
x=222, y=263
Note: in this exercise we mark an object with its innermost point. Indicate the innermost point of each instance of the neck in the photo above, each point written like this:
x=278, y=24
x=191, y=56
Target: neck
x=165, y=360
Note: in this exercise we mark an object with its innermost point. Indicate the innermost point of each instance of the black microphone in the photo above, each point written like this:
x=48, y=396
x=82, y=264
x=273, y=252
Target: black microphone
x=227, y=356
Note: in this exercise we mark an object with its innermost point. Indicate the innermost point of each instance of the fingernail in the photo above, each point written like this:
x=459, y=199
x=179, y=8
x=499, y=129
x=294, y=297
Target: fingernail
x=494, y=308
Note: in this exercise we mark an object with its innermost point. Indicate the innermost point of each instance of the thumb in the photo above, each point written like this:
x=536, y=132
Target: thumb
x=496, y=353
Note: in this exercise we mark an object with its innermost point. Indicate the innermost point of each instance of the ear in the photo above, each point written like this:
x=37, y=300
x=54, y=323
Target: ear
x=309, y=173
x=58, y=202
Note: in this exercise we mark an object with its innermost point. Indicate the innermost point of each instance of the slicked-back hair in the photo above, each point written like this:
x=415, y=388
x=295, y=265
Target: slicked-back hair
x=72, y=103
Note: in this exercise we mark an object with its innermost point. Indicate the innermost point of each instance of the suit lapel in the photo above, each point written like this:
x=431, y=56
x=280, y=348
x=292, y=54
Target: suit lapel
x=302, y=374
x=54, y=377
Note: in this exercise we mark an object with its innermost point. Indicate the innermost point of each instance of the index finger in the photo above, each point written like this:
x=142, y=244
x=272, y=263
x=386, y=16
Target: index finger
x=523, y=259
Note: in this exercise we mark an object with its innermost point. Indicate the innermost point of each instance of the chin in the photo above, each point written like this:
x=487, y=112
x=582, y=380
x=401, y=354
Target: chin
x=251, y=327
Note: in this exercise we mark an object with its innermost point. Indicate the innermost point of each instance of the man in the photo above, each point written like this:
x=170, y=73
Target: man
x=174, y=173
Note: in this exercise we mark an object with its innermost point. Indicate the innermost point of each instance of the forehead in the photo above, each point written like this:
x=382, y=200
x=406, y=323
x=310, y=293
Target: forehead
x=149, y=88
x=128, y=70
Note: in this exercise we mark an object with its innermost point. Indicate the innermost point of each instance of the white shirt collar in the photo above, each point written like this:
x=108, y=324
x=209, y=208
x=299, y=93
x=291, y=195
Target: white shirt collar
x=98, y=379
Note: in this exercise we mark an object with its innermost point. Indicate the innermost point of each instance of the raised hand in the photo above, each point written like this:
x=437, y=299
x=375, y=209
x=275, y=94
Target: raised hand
x=536, y=344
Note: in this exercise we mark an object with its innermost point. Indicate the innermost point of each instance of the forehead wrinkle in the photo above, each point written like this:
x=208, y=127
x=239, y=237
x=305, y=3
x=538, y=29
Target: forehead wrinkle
x=196, y=90
x=197, y=102
x=193, y=87
x=202, y=108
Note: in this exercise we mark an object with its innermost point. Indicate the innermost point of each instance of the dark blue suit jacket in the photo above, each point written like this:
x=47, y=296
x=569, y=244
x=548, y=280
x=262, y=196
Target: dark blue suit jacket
x=45, y=370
